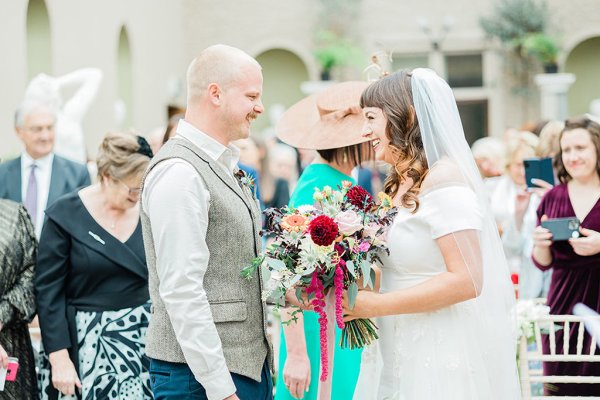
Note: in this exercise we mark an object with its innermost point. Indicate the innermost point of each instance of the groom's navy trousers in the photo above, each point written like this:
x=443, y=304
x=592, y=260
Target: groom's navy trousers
x=174, y=381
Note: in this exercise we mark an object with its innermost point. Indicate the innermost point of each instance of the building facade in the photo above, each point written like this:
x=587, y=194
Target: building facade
x=143, y=48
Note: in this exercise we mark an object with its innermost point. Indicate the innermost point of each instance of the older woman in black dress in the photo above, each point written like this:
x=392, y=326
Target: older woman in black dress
x=17, y=304
x=91, y=282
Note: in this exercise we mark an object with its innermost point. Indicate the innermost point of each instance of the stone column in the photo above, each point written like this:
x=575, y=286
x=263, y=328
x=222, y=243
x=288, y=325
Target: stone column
x=553, y=94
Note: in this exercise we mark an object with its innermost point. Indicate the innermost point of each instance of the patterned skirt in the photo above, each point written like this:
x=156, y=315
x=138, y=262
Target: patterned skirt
x=112, y=360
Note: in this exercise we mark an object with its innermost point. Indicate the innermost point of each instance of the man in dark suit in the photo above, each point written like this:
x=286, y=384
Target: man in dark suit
x=38, y=176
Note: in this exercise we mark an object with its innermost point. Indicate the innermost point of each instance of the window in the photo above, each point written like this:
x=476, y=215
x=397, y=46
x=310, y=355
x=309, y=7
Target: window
x=474, y=117
x=464, y=70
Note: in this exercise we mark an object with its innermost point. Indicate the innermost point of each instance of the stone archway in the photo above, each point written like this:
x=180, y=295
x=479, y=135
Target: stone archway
x=283, y=72
x=39, y=41
x=584, y=62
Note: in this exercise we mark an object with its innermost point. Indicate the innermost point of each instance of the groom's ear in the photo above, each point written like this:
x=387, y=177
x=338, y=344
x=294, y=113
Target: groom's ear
x=214, y=94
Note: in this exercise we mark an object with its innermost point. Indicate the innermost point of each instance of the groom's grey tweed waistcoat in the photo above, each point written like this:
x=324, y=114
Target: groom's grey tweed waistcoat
x=233, y=240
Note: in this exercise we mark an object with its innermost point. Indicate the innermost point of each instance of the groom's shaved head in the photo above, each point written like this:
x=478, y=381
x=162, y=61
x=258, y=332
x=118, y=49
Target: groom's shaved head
x=220, y=64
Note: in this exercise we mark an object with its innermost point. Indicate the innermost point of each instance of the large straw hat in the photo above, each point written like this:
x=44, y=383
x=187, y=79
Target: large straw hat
x=327, y=120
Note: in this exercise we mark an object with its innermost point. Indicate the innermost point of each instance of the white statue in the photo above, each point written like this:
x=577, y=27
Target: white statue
x=70, y=140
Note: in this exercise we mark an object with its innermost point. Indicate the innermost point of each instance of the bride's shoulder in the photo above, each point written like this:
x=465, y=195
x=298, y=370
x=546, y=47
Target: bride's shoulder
x=443, y=173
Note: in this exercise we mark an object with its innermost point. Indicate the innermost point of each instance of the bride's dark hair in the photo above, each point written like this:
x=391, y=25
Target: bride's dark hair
x=393, y=94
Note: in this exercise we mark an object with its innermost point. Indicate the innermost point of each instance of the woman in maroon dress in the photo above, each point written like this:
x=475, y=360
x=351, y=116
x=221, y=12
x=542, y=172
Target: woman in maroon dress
x=576, y=262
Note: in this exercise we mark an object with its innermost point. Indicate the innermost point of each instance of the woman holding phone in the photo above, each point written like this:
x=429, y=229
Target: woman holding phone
x=576, y=261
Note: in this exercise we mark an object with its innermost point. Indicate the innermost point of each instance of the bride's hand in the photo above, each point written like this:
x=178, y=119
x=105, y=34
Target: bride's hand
x=291, y=299
x=364, y=305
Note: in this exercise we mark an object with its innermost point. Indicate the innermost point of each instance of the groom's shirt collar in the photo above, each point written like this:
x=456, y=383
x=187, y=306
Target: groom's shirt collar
x=227, y=156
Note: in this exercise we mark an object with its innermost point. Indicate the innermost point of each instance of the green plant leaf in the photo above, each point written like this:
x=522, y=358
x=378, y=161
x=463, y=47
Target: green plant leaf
x=275, y=264
x=350, y=266
x=366, y=273
x=295, y=280
x=352, y=293
x=373, y=279
x=541, y=46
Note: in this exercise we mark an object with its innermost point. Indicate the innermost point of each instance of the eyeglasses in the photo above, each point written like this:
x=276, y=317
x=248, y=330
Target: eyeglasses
x=130, y=191
x=38, y=128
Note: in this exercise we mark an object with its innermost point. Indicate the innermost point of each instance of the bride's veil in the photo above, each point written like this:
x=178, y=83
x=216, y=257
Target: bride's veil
x=444, y=141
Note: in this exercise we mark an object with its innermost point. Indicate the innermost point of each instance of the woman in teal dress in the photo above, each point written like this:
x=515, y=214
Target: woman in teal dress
x=329, y=123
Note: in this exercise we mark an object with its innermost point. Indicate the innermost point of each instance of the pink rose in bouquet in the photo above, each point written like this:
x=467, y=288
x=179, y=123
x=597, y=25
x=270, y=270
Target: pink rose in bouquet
x=349, y=222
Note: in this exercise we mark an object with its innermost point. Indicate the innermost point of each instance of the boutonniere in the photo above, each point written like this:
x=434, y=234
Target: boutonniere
x=246, y=180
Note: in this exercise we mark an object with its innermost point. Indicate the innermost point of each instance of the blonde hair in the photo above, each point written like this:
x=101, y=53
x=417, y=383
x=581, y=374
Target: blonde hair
x=220, y=64
x=118, y=156
x=518, y=141
x=549, y=135
x=491, y=148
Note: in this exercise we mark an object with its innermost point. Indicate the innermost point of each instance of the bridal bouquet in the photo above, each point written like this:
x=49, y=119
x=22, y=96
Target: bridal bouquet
x=328, y=247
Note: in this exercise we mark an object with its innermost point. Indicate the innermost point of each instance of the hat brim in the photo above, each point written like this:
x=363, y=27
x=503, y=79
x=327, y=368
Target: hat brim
x=301, y=125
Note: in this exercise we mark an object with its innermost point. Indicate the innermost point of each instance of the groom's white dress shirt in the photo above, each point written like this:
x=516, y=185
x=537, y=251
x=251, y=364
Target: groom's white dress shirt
x=177, y=201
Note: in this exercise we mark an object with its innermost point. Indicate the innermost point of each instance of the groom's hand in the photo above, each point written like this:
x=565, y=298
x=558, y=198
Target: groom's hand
x=232, y=397
x=364, y=305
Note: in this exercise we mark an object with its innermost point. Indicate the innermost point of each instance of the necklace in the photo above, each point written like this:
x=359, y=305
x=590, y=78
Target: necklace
x=113, y=224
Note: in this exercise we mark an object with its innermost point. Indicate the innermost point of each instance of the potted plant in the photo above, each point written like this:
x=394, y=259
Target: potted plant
x=544, y=48
x=333, y=50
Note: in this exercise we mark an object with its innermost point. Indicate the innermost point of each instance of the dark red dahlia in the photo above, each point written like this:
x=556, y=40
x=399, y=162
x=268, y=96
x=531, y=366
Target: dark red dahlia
x=359, y=197
x=323, y=230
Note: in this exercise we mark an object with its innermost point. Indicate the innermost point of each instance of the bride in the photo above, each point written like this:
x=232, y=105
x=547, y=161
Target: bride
x=443, y=308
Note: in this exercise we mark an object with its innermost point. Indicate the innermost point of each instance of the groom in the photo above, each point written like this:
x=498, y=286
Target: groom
x=207, y=334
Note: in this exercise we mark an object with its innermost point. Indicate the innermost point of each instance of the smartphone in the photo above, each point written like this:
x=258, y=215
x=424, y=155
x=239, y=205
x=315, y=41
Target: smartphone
x=538, y=168
x=562, y=228
x=13, y=366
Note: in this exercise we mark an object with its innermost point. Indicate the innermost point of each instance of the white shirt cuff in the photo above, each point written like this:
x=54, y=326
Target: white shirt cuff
x=218, y=385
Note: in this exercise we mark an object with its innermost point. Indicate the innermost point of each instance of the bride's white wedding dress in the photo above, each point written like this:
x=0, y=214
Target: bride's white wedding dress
x=446, y=354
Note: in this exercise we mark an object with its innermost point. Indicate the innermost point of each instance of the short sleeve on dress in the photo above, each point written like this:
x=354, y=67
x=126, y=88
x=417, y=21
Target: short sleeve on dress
x=451, y=209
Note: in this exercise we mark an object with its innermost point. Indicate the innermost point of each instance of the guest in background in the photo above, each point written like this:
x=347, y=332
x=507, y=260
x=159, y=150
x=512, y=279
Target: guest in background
x=505, y=191
x=38, y=176
x=489, y=154
x=518, y=237
x=576, y=262
x=171, y=128
x=17, y=305
x=92, y=282
x=279, y=175
x=340, y=147
x=548, y=145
